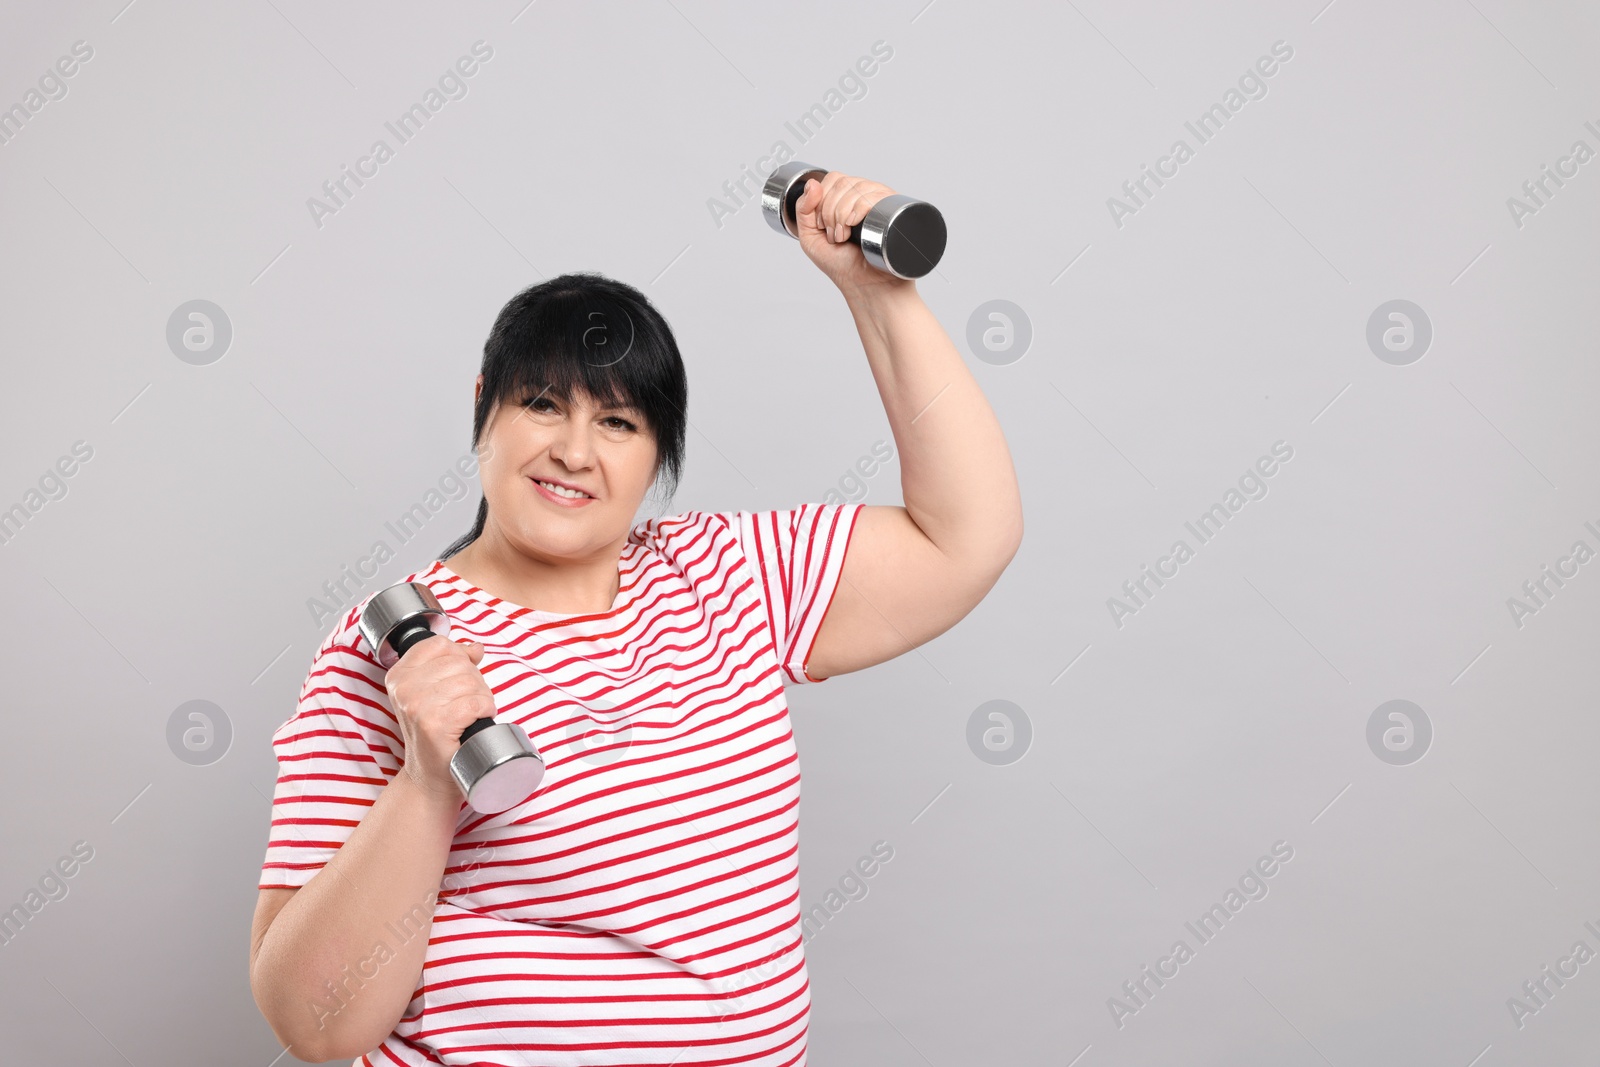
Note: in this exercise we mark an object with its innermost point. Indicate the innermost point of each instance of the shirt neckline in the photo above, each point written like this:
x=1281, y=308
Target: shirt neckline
x=521, y=614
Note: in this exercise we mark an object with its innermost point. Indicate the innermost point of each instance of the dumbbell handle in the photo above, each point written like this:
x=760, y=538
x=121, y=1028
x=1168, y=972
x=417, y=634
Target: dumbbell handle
x=791, y=205
x=410, y=633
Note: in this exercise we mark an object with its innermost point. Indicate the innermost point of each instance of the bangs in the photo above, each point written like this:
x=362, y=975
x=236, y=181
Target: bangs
x=578, y=342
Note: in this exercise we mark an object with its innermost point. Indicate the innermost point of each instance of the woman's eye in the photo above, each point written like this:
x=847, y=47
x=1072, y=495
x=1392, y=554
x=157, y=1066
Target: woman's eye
x=542, y=403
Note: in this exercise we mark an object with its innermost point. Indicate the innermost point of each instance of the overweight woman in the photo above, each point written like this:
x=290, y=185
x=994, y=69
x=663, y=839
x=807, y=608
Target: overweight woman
x=642, y=906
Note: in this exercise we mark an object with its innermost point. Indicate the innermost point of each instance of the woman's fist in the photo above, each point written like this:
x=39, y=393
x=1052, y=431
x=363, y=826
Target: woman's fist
x=823, y=217
x=437, y=691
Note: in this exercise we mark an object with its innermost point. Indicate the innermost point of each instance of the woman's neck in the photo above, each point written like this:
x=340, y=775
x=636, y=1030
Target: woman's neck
x=582, y=588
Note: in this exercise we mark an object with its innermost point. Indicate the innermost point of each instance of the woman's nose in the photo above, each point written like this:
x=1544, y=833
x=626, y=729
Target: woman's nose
x=571, y=444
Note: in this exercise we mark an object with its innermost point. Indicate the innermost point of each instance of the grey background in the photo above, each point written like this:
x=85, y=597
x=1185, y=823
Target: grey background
x=1166, y=755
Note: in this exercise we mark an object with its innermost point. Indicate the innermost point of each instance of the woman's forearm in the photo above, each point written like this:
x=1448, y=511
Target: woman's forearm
x=956, y=473
x=342, y=959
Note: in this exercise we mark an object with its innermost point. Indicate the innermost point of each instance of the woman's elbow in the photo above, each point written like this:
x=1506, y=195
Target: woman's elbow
x=315, y=1046
x=982, y=571
x=1008, y=541
x=302, y=1034
x=993, y=546
x=305, y=1047
x=1015, y=542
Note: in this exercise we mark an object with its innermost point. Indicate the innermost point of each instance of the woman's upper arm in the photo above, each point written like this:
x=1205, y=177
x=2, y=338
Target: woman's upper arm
x=268, y=905
x=895, y=592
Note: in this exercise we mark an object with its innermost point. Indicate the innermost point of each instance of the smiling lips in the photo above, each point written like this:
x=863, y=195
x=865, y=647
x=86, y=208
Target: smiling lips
x=561, y=493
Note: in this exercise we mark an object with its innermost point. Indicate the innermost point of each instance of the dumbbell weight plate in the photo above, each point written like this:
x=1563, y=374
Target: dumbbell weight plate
x=899, y=235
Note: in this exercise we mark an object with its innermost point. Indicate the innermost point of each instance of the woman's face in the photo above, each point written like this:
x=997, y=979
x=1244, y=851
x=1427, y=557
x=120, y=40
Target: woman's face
x=608, y=454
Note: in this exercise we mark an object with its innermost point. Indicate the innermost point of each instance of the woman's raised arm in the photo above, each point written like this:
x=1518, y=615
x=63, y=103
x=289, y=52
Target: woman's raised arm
x=911, y=572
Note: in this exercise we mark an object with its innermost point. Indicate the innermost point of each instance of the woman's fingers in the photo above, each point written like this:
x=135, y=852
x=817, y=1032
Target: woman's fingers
x=834, y=190
x=845, y=201
x=436, y=691
x=813, y=200
x=817, y=203
x=810, y=200
x=852, y=210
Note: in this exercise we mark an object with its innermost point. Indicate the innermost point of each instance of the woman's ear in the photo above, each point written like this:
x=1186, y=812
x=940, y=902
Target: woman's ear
x=477, y=390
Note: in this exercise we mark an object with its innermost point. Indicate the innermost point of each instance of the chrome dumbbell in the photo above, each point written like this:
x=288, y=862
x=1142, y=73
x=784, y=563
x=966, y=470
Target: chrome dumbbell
x=496, y=766
x=899, y=235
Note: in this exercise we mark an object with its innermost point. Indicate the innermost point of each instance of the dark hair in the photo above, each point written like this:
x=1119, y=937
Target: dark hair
x=587, y=332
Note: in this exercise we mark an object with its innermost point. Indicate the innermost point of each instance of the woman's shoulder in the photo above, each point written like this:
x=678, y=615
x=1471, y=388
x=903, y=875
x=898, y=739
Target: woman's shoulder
x=777, y=524
x=664, y=530
x=682, y=542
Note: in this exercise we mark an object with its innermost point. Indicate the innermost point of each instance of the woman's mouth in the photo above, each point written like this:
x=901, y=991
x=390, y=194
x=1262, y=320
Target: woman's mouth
x=570, y=498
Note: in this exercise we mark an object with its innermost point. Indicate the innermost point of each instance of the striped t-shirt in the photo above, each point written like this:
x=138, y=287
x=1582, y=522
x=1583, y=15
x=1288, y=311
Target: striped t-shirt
x=642, y=906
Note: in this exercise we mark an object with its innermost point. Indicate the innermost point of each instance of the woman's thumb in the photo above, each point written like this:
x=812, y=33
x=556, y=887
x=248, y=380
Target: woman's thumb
x=474, y=651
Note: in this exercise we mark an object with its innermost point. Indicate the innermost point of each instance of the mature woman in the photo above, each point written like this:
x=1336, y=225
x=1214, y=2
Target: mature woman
x=642, y=906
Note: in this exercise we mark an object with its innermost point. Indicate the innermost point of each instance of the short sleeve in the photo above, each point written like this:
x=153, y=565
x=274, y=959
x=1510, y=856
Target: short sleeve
x=335, y=754
x=795, y=558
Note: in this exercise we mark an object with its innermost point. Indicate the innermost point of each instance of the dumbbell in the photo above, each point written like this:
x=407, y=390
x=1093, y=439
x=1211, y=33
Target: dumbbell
x=899, y=235
x=496, y=766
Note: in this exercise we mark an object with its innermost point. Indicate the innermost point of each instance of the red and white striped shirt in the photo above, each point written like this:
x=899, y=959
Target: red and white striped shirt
x=642, y=907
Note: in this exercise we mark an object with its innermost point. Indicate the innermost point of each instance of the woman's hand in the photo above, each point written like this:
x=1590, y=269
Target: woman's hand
x=824, y=214
x=437, y=691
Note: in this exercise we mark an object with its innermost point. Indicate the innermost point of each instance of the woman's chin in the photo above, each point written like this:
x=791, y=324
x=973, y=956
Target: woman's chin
x=562, y=546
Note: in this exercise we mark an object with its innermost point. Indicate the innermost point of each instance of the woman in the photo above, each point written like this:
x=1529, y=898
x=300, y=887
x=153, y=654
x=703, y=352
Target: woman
x=642, y=906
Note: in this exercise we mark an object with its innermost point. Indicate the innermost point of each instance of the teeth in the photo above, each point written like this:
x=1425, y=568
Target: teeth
x=559, y=491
